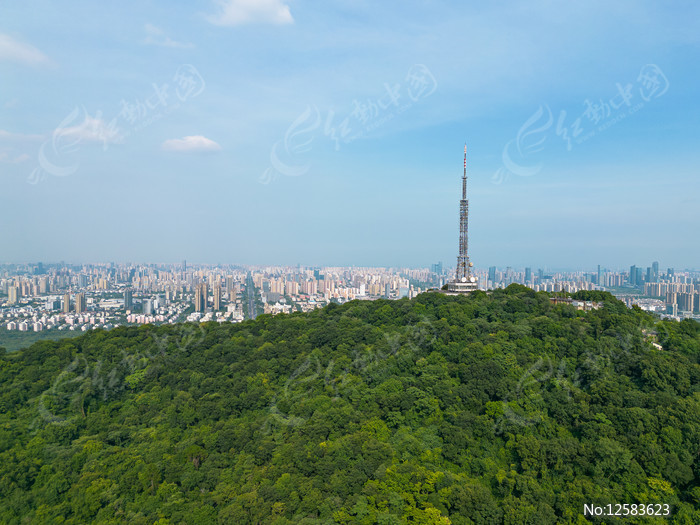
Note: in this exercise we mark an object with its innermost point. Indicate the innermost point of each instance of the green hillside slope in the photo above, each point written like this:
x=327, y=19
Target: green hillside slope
x=493, y=408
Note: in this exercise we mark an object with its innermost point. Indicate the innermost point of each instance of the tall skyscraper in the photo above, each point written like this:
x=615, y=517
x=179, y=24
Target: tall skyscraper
x=633, y=276
x=12, y=295
x=66, y=303
x=80, y=305
x=147, y=307
x=200, y=297
x=528, y=275
x=230, y=286
x=655, y=271
x=599, y=280
x=464, y=281
x=217, y=297
x=128, y=299
x=492, y=274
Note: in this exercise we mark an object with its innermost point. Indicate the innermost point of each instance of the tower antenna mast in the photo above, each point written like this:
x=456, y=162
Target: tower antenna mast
x=464, y=280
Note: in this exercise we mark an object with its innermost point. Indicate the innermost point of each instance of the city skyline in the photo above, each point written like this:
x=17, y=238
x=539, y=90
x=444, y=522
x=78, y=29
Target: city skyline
x=289, y=132
x=57, y=300
x=448, y=268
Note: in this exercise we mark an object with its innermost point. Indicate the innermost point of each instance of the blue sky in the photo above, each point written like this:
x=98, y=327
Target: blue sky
x=331, y=133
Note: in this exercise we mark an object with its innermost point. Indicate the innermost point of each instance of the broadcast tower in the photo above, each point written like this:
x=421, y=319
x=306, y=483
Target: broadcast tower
x=464, y=281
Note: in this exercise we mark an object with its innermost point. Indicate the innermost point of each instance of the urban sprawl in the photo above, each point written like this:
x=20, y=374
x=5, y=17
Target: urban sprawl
x=39, y=297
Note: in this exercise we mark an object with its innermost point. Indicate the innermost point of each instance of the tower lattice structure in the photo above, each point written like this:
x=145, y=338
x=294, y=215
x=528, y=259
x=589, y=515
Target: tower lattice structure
x=464, y=281
x=463, y=266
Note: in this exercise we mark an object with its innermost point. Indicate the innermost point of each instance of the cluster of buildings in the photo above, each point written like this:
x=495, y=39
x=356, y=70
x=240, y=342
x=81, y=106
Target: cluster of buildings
x=38, y=297
x=289, y=289
x=69, y=297
x=81, y=297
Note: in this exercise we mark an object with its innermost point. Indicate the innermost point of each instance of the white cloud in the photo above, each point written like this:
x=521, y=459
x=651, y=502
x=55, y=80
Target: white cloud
x=12, y=144
x=4, y=157
x=238, y=12
x=192, y=143
x=153, y=30
x=21, y=158
x=16, y=51
x=156, y=36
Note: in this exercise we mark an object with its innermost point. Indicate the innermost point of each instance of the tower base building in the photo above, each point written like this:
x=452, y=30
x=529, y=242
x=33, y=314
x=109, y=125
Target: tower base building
x=458, y=287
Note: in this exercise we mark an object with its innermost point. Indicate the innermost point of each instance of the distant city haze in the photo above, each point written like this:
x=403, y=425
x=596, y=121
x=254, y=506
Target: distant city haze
x=332, y=134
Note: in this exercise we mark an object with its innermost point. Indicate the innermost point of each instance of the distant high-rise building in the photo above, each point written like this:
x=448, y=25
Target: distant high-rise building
x=128, y=299
x=599, y=279
x=492, y=274
x=184, y=265
x=436, y=268
x=291, y=288
x=217, y=297
x=12, y=295
x=198, y=304
x=80, y=305
x=200, y=297
x=686, y=302
x=66, y=303
x=655, y=271
x=147, y=307
x=528, y=275
x=633, y=276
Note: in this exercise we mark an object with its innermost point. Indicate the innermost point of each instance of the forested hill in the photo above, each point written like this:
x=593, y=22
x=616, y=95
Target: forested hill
x=492, y=408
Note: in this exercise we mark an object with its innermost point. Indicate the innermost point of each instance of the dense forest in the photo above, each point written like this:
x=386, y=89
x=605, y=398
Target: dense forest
x=494, y=408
